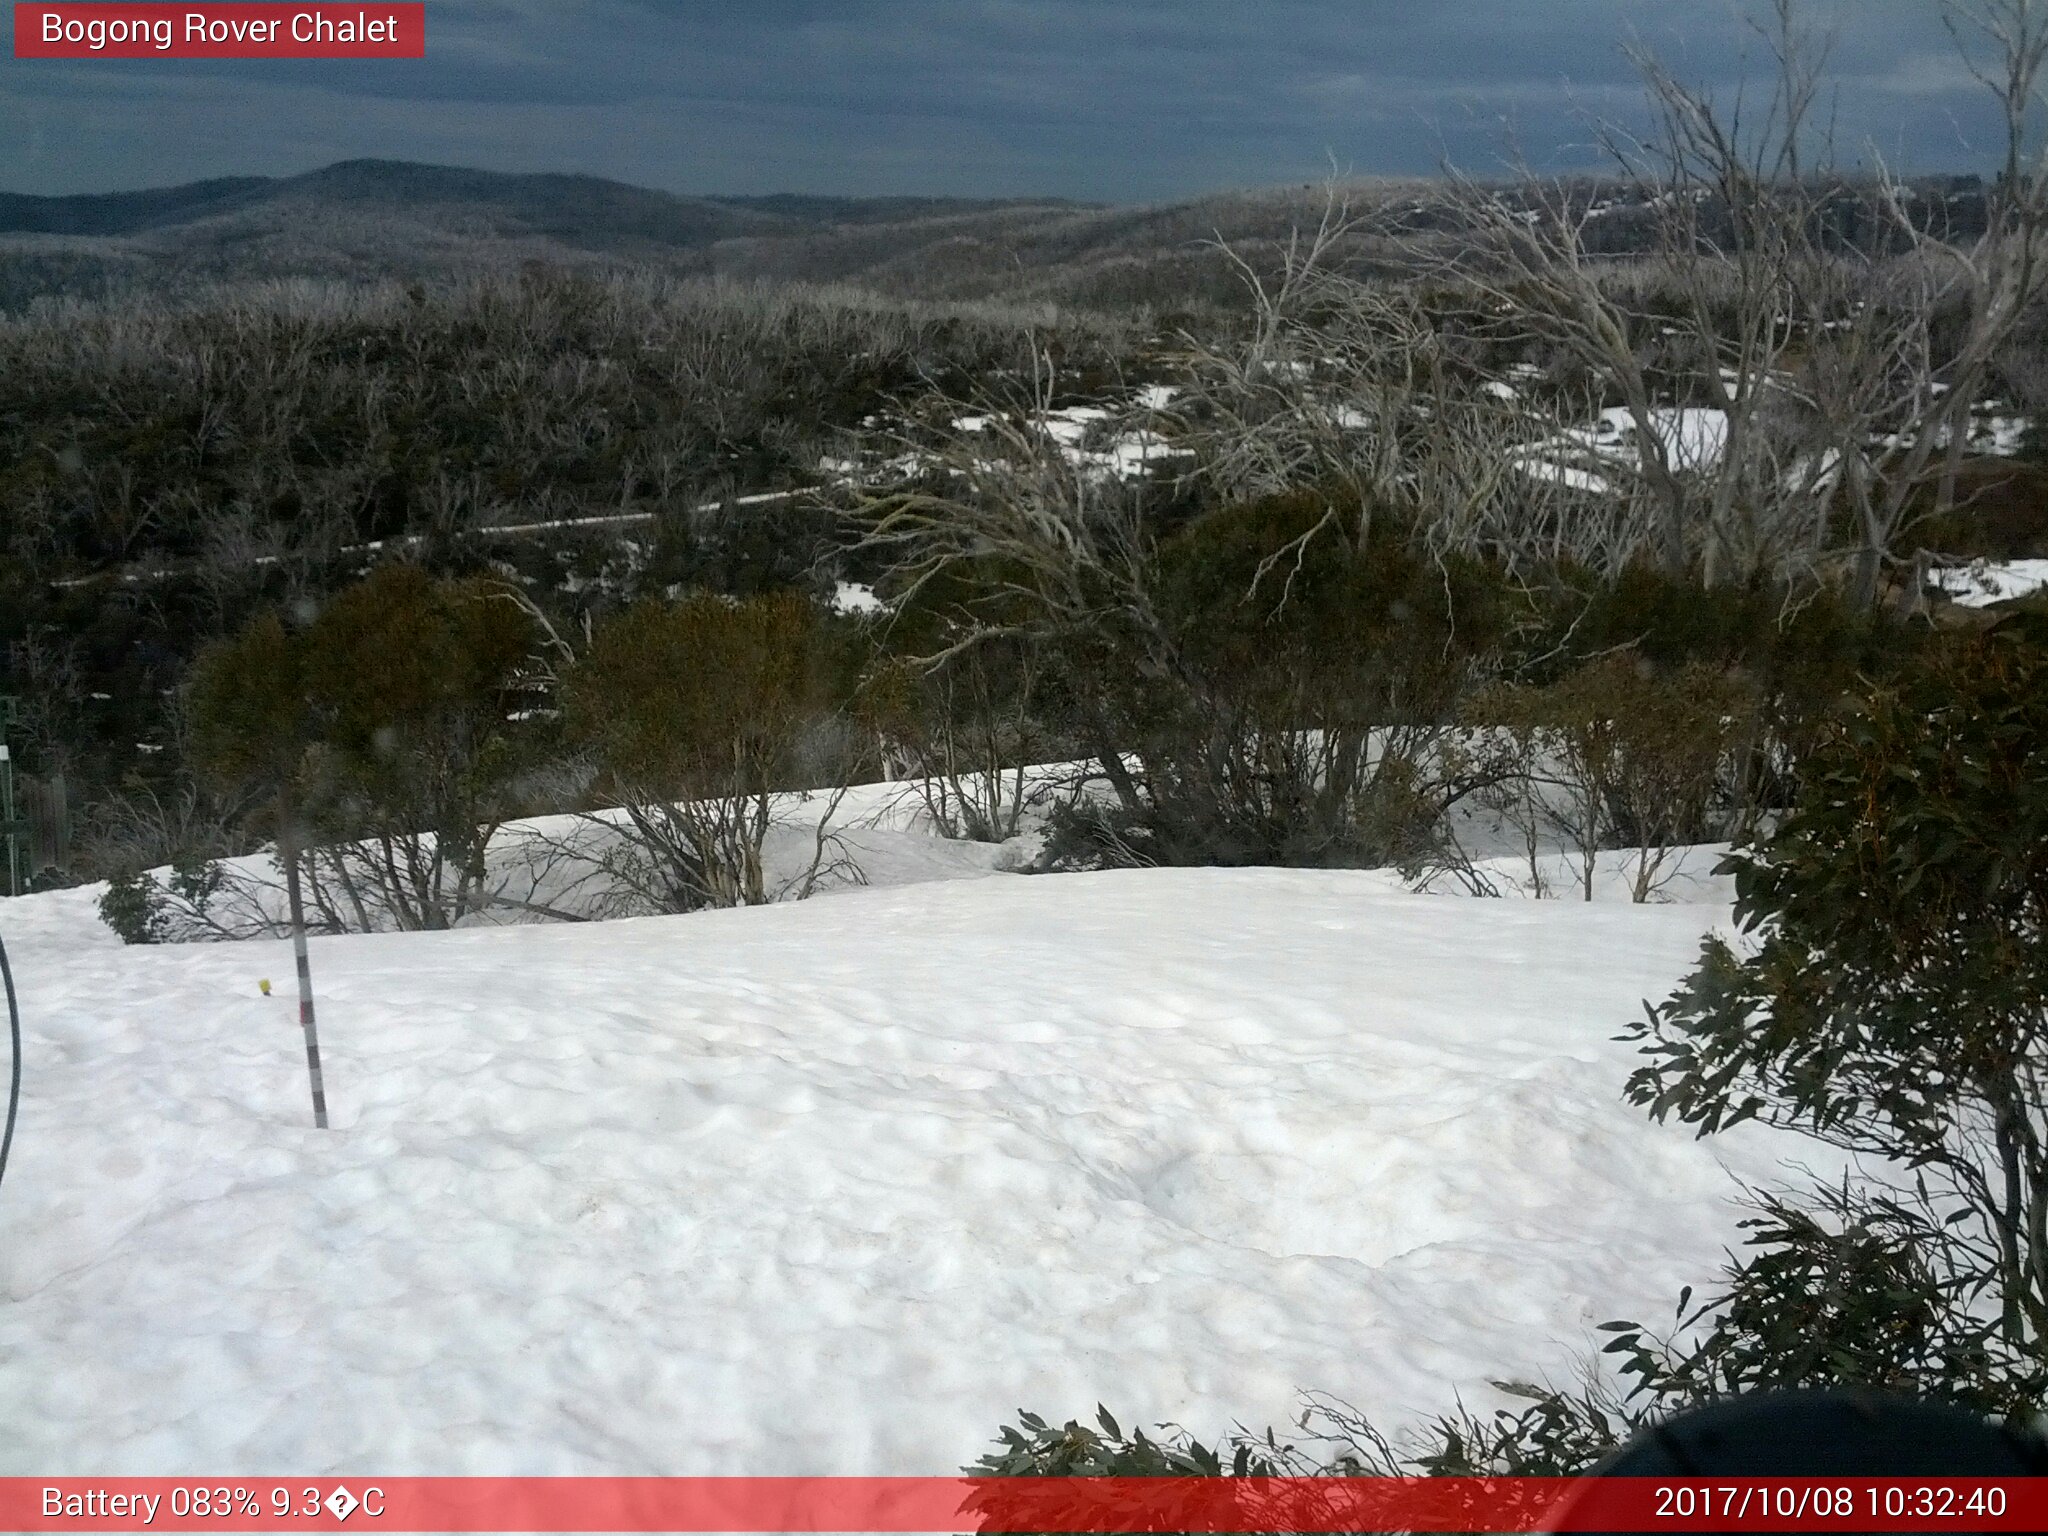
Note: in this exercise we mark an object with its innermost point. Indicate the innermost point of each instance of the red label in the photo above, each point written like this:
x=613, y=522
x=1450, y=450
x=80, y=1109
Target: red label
x=172, y=31
x=1098, y=1505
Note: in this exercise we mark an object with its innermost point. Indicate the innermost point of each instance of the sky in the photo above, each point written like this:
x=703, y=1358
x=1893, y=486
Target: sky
x=1101, y=100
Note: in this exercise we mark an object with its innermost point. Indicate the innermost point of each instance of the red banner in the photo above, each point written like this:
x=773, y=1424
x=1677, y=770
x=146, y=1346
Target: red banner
x=216, y=31
x=1086, y=1504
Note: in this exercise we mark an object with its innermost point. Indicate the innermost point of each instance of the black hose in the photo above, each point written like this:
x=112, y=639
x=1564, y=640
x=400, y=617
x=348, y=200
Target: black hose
x=14, y=1085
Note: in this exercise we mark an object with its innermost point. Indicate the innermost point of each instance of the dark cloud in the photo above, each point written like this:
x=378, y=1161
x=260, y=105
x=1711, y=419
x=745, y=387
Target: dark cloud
x=1108, y=99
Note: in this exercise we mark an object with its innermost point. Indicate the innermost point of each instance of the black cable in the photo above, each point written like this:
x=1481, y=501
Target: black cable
x=14, y=1086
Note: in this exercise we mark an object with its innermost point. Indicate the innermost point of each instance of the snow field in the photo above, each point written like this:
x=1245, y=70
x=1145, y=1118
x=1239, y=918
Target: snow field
x=833, y=1187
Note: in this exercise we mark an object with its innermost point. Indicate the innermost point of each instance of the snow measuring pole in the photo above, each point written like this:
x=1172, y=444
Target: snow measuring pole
x=288, y=852
x=13, y=856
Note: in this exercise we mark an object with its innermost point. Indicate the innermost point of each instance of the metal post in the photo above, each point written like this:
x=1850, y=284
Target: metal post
x=10, y=825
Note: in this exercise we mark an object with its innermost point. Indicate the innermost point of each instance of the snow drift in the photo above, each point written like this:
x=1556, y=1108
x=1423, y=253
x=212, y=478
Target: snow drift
x=832, y=1187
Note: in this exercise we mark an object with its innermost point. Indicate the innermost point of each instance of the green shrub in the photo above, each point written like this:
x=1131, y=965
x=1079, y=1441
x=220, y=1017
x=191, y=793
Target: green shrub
x=1615, y=755
x=698, y=713
x=1895, y=1004
x=1556, y=1435
x=385, y=727
x=133, y=907
x=1294, y=702
x=144, y=910
x=250, y=707
x=1803, y=650
x=964, y=697
x=703, y=696
x=415, y=681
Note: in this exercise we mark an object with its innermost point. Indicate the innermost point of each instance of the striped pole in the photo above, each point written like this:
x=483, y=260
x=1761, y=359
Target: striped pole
x=288, y=847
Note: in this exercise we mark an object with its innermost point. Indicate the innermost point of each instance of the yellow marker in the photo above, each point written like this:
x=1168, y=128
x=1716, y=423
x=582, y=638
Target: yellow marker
x=264, y=986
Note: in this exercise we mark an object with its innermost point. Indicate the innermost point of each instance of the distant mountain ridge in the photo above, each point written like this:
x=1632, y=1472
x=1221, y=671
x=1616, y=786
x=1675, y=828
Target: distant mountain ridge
x=583, y=208
x=125, y=213
x=361, y=220
x=380, y=220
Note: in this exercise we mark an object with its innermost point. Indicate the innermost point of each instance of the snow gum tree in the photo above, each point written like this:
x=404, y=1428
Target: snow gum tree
x=1894, y=1003
x=1826, y=328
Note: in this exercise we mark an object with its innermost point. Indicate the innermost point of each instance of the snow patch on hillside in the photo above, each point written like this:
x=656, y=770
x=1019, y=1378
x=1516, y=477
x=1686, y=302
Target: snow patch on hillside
x=1985, y=582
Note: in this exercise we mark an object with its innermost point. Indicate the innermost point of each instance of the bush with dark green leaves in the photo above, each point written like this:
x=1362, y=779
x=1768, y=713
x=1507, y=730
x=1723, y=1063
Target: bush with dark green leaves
x=1033, y=1449
x=1892, y=1001
x=699, y=714
x=144, y=910
x=1295, y=699
x=132, y=906
x=1616, y=755
x=388, y=736
x=423, y=692
x=1555, y=1435
x=963, y=709
x=1800, y=648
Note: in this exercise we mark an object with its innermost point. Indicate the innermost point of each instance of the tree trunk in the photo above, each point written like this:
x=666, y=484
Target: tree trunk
x=1869, y=574
x=288, y=852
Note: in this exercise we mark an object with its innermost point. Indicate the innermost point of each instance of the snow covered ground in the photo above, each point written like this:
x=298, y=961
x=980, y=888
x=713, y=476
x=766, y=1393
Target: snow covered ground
x=1692, y=439
x=1103, y=441
x=833, y=1186
x=1986, y=582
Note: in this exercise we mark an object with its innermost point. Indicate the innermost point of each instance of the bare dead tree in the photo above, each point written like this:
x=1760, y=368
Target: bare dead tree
x=1017, y=535
x=1902, y=424
x=1068, y=543
x=1368, y=386
x=1814, y=349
